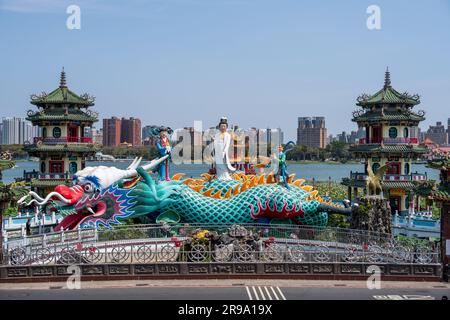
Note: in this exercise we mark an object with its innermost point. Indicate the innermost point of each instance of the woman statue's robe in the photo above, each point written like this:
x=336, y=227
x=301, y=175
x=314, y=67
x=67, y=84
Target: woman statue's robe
x=222, y=161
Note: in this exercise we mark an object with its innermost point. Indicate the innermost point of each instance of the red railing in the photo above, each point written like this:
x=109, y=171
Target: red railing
x=389, y=141
x=51, y=140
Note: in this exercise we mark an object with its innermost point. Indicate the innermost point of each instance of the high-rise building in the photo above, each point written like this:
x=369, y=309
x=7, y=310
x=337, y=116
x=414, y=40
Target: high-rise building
x=97, y=136
x=437, y=134
x=111, y=132
x=311, y=132
x=18, y=131
x=130, y=131
x=117, y=131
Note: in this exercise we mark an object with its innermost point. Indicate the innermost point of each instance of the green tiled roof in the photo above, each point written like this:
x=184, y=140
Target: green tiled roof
x=388, y=95
x=49, y=183
x=62, y=95
x=440, y=164
x=398, y=185
x=62, y=147
x=441, y=195
x=388, y=148
x=61, y=115
x=376, y=116
x=385, y=184
x=6, y=164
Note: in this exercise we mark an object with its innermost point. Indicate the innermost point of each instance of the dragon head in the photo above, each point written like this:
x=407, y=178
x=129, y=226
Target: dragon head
x=95, y=197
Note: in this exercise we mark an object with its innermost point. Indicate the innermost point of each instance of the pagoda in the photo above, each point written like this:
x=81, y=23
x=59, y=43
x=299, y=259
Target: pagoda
x=391, y=139
x=63, y=146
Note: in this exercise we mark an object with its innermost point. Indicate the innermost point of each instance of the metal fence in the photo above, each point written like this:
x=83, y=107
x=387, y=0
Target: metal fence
x=222, y=243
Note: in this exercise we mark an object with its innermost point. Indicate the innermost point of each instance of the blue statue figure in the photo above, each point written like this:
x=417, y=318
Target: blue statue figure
x=163, y=146
x=282, y=175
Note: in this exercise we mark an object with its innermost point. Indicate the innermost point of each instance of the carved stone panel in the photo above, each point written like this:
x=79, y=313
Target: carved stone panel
x=42, y=271
x=119, y=269
x=144, y=269
x=351, y=268
x=299, y=268
x=222, y=268
x=197, y=268
x=17, y=272
x=244, y=268
x=274, y=268
x=92, y=270
x=424, y=270
x=322, y=268
x=399, y=269
x=168, y=268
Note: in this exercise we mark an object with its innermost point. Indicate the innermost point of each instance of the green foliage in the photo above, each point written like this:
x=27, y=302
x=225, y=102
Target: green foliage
x=336, y=150
x=120, y=234
x=412, y=242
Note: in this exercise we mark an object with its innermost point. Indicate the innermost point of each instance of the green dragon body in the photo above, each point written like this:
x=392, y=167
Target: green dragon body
x=245, y=199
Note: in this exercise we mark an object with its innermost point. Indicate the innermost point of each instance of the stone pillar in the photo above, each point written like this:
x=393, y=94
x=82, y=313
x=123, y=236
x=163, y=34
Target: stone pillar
x=355, y=192
x=349, y=193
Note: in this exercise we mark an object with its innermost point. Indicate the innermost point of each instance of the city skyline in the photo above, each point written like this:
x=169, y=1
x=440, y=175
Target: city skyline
x=191, y=62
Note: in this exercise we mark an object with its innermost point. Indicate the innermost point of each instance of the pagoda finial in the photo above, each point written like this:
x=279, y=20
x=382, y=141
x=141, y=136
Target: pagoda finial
x=387, y=78
x=62, y=81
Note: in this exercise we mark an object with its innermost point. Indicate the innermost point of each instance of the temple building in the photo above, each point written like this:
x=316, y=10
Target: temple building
x=391, y=139
x=63, y=145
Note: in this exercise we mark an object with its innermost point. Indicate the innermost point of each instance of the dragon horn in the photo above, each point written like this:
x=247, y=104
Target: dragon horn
x=135, y=163
x=149, y=166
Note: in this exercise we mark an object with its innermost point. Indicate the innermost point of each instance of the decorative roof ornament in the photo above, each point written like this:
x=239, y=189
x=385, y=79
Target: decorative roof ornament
x=362, y=98
x=87, y=97
x=387, y=78
x=62, y=81
x=40, y=96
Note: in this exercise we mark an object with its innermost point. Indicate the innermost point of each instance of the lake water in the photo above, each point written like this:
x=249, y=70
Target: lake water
x=319, y=172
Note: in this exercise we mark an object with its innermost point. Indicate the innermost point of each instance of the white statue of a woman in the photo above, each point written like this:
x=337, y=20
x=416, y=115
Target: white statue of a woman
x=222, y=141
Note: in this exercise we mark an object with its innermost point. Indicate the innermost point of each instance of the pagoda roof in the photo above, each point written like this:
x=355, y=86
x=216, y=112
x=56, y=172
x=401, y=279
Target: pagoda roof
x=398, y=185
x=403, y=148
x=49, y=183
x=62, y=95
x=386, y=185
x=387, y=95
x=440, y=195
x=70, y=147
x=378, y=115
x=60, y=114
x=440, y=163
x=6, y=164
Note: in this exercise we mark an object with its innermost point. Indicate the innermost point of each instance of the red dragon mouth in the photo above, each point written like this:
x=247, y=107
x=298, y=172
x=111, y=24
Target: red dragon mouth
x=74, y=220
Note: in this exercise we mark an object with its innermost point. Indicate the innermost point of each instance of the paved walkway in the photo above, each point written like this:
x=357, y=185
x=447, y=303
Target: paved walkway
x=226, y=283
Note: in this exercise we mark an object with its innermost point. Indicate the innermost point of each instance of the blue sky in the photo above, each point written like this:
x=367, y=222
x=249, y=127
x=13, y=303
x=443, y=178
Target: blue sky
x=261, y=63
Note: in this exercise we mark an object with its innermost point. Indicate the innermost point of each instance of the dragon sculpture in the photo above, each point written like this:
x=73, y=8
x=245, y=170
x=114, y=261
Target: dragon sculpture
x=105, y=196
